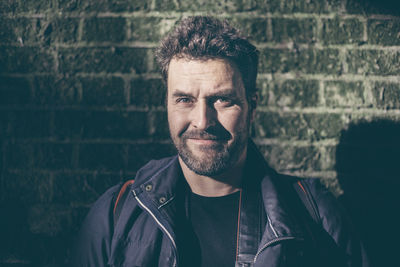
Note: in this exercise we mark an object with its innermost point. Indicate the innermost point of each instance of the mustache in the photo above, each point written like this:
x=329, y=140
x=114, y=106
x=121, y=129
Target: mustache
x=207, y=135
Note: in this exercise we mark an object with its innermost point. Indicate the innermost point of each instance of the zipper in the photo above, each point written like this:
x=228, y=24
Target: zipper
x=269, y=243
x=159, y=223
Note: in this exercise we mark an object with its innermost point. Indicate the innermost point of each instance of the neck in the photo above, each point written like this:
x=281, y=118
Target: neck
x=220, y=185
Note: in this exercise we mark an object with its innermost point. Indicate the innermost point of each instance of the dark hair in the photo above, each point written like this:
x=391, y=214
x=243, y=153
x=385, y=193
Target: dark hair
x=203, y=37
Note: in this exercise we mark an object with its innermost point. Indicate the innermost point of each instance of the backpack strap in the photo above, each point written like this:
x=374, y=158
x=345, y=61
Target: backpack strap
x=119, y=202
x=306, y=198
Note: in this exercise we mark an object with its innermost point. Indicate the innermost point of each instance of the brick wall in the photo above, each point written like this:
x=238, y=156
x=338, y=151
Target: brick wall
x=81, y=98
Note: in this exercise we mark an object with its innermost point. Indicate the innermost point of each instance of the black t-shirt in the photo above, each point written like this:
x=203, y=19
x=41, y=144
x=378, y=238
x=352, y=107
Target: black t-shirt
x=215, y=221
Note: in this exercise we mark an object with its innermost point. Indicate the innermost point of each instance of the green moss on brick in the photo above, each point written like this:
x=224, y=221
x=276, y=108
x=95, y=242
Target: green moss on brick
x=387, y=95
x=255, y=28
x=29, y=6
x=148, y=93
x=345, y=94
x=26, y=60
x=289, y=93
x=104, y=30
x=384, y=32
x=109, y=60
x=293, y=30
x=374, y=62
x=342, y=31
x=103, y=91
x=296, y=6
x=149, y=29
x=104, y=5
x=302, y=61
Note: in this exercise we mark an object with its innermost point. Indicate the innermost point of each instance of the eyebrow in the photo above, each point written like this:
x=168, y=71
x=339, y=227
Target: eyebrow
x=229, y=93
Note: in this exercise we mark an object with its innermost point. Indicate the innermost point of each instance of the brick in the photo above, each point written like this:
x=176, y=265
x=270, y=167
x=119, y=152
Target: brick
x=63, y=30
x=109, y=60
x=26, y=31
x=14, y=91
x=286, y=158
x=148, y=93
x=158, y=124
x=322, y=126
x=100, y=124
x=25, y=60
x=293, y=30
x=207, y=6
x=149, y=29
x=101, y=157
x=298, y=126
x=87, y=91
x=275, y=125
x=103, y=91
x=104, y=5
x=384, y=32
x=51, y=90
x=373, y=62
x=104, y=30
x=345, y=94
x=312, y=6
x=31, y=6
x=28, y=187
x=387, y=95
x=81, y=188
x=30, y=123
x=289, y=93
x=49, y=220
x=140, y=154
x=311, y=61
x=17, y=31
x=342, y=31
x=19, y=156
x=52, y=156
x=254, y=28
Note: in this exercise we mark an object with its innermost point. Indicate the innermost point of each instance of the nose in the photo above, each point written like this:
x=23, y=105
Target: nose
x=203, y=115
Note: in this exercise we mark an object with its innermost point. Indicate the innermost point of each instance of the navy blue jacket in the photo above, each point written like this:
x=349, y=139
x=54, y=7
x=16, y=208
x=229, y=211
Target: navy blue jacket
x=275, y=228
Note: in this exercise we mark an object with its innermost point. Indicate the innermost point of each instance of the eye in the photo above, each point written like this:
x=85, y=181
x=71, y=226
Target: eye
x=183, y=100
x=223, y=101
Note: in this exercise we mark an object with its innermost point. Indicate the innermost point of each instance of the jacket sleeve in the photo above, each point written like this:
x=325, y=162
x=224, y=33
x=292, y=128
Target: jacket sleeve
x=338, y=225
x=93, y=245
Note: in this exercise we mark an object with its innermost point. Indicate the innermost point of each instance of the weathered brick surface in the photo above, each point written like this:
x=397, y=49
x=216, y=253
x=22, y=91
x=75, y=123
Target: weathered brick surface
x=346, y=94
x=288, y=93
x=374, y=62
x=342, y=31
x=82, y=104
x=148, y=92
x=310, y=61
x=384, y=32
x=108, y=60
x=104, y=30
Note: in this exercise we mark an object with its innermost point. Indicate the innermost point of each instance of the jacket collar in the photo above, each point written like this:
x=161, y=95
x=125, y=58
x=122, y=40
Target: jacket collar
x=162, y=182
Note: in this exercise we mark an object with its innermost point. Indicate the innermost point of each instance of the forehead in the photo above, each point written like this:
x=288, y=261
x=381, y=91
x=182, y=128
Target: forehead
x=189, y=74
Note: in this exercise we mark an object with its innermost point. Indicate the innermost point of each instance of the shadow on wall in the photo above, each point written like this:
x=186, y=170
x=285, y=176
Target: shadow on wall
x=368, y=167
x=387, y=7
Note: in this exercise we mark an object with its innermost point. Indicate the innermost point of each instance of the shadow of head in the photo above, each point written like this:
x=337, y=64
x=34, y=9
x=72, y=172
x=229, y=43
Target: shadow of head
x=368, y=168
x=388, y=7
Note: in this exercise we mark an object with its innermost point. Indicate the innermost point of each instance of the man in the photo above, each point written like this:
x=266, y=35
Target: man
x=216, y=203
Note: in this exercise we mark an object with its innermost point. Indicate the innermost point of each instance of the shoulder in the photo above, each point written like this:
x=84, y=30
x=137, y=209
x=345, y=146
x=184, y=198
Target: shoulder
x=92, y=248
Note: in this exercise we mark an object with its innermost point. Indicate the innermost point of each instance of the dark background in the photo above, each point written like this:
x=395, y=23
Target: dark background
x=82, y=107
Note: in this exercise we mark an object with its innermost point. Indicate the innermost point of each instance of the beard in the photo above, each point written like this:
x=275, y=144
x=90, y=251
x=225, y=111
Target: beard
x=214, y=159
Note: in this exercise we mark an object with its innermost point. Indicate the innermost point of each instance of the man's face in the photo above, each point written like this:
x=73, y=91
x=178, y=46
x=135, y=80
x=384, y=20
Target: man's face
x=208, y=114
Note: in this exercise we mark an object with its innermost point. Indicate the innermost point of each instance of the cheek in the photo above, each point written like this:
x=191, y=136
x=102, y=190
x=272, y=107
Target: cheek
x=177, y=121
x=233, y=121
